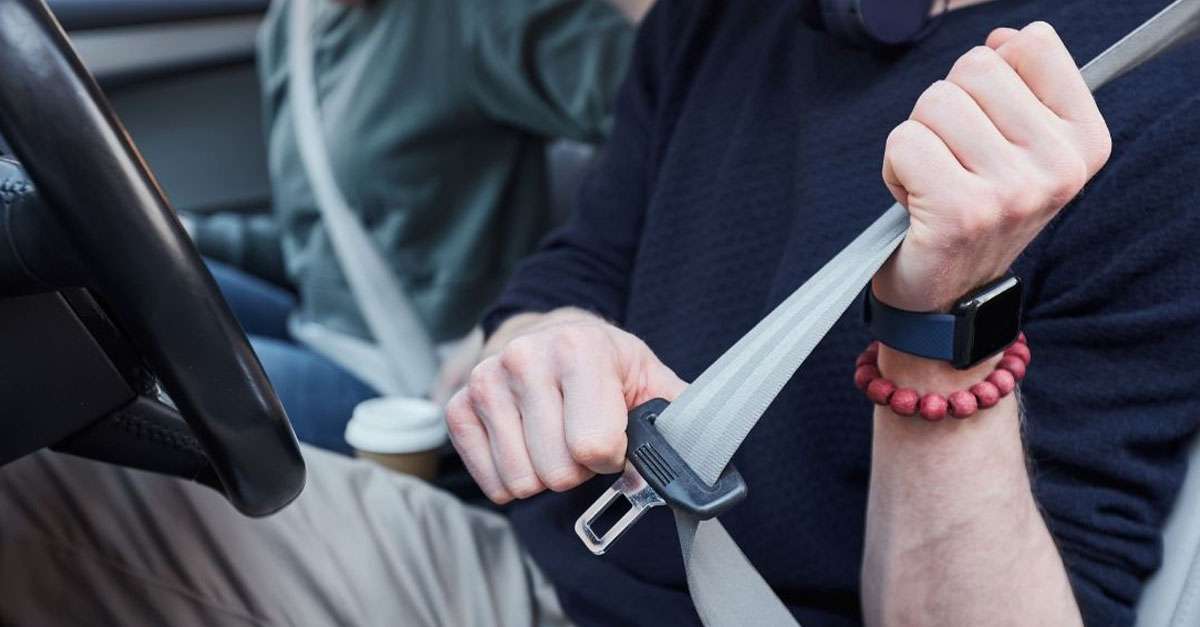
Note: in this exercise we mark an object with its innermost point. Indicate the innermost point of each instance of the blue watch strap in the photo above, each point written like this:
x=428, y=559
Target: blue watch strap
x=929, y=335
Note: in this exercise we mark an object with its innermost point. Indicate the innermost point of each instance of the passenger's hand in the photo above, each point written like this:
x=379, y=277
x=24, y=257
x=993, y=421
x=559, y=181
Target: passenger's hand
x=548, y=408
x=986, y=159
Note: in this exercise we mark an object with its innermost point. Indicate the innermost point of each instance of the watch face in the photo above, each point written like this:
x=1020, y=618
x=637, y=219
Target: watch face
x=996, y=319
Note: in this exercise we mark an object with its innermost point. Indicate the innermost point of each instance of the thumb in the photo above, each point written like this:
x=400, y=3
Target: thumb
x=659, y=381
x=892, y=180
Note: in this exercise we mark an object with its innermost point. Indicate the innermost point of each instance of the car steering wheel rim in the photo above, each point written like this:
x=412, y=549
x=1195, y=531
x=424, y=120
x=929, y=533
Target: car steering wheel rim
x=137, y=259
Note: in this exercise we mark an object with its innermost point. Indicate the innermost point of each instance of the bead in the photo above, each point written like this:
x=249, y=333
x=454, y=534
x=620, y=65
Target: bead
x=880, y=391
x=962, y=404
x=1010, y=370
x=986, y=394
x=1003, y=380
x=1014, y=365
x=933, y=407
x=864, y=375
x=904, y=401
x=1020, y=351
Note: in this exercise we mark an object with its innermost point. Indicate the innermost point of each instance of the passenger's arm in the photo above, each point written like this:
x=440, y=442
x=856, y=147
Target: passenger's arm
x=551, y=68
x=988, y=157
x=587, y=263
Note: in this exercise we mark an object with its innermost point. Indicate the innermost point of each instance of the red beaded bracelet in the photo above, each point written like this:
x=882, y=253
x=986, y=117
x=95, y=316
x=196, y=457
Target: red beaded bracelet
x=933, y=407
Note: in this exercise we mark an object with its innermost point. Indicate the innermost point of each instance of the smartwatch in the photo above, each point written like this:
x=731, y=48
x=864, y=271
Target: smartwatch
x=980, y=325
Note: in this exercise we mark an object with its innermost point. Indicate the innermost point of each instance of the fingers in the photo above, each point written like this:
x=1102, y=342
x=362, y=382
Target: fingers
x=1001, y=93
x=493, y=403
x=550, y=409
x=594, y=407
x=1042, y=61
x=916, y=162
x=1043, y=64
x=999, y=36
x=540, y=403
x=661, y=382
x=470, y=439
x=955, y=117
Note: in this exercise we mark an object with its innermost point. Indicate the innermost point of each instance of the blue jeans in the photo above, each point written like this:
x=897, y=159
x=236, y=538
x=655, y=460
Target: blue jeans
x=319, y=395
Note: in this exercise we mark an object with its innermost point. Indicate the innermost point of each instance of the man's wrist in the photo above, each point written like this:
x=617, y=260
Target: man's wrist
x=521, y=323
x=982, y=323
x=930, y=375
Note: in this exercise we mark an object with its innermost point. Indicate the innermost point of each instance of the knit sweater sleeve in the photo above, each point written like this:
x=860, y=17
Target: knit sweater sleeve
x=1112, y=398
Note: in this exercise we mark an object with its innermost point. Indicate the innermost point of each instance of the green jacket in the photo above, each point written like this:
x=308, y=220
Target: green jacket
x=437, y=115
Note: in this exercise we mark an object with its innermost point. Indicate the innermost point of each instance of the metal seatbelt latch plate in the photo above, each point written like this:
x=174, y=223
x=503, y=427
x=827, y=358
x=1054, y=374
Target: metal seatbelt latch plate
x=656, y=475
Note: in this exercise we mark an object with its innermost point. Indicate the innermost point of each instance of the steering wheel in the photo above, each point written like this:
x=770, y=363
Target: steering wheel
x=99, y=248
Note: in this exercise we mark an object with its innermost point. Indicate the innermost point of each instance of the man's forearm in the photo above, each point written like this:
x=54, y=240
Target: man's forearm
x=954, y=536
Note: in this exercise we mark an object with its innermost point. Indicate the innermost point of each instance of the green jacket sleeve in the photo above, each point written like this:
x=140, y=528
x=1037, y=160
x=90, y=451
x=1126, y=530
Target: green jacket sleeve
x=552, y=67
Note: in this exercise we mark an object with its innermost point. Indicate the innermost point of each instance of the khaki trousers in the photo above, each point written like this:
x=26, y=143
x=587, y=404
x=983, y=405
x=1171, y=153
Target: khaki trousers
x=85, y=543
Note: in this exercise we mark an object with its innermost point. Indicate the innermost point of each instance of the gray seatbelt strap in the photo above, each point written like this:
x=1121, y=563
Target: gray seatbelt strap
x=708, y=422
x=390, y=315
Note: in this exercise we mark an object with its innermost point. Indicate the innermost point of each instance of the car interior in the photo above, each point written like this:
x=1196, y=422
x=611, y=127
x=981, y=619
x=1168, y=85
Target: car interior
x=117, y=344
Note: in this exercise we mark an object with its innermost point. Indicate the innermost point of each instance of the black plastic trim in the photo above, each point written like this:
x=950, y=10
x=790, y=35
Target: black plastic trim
x=670, y=476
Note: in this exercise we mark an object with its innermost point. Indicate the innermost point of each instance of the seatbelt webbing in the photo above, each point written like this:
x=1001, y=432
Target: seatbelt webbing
x=709, y=421
x=389, y=313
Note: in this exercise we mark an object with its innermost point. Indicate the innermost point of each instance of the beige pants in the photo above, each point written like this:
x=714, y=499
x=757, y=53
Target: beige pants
x=84, y=543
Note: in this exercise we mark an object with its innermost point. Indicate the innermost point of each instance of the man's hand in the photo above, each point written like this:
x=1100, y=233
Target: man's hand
x=547, y=408
x=986, y=159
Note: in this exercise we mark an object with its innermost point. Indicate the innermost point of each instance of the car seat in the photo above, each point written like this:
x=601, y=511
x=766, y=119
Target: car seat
x=1172, y=596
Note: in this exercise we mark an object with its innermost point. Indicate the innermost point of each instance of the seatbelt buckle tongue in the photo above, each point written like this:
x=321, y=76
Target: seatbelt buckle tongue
x=656, y=475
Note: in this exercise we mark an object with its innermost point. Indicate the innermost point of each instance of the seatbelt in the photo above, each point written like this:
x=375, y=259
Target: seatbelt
x=405, y=344
x=679, y=453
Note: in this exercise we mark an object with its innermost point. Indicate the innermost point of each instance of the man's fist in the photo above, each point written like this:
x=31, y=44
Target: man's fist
x=548, y=409
x=987, y=158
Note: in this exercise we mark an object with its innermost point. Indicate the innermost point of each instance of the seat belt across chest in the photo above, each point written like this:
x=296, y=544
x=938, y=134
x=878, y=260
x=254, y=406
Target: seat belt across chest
x=679, y=453
x=391, y=316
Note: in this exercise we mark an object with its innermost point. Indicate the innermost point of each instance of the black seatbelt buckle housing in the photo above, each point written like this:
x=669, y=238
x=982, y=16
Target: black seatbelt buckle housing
x=669, y=476
x=656, y=475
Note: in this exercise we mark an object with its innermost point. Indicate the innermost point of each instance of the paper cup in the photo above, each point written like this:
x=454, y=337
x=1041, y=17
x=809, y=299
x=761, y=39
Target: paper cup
x=401, y=433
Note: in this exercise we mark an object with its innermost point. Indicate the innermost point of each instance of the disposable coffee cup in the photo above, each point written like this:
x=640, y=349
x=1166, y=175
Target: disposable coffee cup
x=401, y=433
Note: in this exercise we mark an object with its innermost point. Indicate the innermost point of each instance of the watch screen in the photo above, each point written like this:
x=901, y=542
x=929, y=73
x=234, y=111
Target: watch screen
x=997, y=322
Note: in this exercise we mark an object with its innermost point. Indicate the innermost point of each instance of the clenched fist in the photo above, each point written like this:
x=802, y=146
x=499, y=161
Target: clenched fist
x=548, y=408
x=987, y=158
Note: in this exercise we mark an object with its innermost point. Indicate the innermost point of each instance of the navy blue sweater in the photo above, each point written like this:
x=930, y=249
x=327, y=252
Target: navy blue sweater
x=746, y=154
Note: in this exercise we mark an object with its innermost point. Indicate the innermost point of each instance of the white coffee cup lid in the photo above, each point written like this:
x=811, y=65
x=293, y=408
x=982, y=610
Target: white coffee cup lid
x=396, y=424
